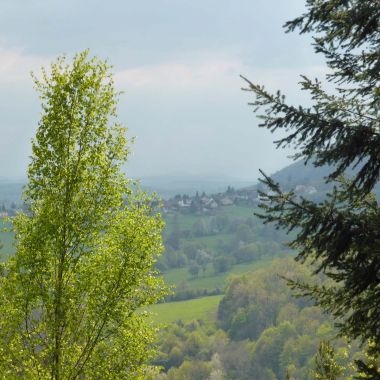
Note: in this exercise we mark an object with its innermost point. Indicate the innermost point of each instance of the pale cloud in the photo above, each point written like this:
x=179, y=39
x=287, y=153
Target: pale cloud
x=169, y=75
x=211, y=76
x=16, y=65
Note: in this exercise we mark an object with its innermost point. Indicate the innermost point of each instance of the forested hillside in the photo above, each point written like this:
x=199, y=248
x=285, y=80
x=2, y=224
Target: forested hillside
x=229, y=314
x=259, y=331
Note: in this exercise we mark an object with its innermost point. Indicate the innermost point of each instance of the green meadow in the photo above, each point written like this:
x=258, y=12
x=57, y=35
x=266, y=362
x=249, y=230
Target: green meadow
x=201, y=308
x=209, y=280
x=179, y=278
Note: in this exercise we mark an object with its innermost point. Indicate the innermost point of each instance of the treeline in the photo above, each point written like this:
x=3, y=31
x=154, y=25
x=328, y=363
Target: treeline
x=186, y=294
x=262, y=332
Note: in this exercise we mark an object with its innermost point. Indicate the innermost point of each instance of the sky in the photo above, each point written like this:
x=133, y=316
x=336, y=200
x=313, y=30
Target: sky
x=178, y=63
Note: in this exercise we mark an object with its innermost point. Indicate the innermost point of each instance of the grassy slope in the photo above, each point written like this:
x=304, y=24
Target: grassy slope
x=204, y=308
x=210, y=280
x=201, y=308
x=237, y=211
x=186, y=221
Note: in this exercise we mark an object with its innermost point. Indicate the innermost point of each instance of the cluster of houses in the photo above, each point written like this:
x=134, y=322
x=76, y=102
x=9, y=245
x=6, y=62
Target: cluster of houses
x=204, y=204
x=10, y=211
x=3, y=212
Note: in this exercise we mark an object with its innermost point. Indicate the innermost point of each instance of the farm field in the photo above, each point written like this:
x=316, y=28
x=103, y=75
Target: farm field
x=201, y=308
x=186, y=221
x=180, y=279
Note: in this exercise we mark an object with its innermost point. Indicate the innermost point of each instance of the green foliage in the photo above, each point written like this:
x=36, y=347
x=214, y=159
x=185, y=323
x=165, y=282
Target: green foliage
x=326, y=366
x=195, y=370
x=210, y=280
x=253, y=303
x=340, y=130
x=244, y=233
x=194, y=269
x=200, y=228
x=369, y=366
x=222, y=264
x=7, y=240
x=247, y=253
x=270, y=345
x=266, y=333
x=85, y=247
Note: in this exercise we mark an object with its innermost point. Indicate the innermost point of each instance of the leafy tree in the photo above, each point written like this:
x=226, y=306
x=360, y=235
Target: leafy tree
x=85, y=248
x=368, y=365
x=197, y=370
x=203, y=258
x=194, y=269
x=191, y=250
x=222, y=264
x=200, y=228
x=223, y=222
x=270, y=344
x=247, y=253
x=174, y=238
x=326, y=366
x=247, y=323
x=341, y=129
x=244, y=233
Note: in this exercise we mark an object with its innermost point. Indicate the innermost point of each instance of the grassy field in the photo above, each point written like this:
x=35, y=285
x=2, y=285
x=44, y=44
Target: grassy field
x=204, y=308
x=201, y=308
x=211, y=242
x=238, y=212
x=209, y=280
x=182, y=221
x=186, y=221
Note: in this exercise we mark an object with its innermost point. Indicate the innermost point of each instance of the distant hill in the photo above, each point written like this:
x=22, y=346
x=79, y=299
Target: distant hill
x=169, y=186
x=299, y=173
x=291, y=176
x=10, y=191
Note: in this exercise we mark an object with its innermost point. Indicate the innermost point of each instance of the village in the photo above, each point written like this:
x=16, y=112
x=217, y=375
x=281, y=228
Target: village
x=203, y=204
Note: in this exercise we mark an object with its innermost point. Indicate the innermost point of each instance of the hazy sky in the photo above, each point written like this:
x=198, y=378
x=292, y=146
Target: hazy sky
x=178, y=63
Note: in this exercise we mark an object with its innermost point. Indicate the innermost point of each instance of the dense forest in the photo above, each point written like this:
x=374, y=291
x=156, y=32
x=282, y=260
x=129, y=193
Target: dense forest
x=233, y=316
x=260, y=332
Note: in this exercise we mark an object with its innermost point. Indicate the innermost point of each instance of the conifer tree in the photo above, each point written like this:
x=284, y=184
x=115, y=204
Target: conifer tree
x=341, y=235
x=71, y=296
x=326, y=366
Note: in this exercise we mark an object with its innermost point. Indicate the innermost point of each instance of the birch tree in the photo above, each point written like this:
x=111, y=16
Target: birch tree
x=71, y=296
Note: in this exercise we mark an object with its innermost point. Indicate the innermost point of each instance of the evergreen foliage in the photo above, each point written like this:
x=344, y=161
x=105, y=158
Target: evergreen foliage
x=341, y=129
x=326, y=366
x=70, y=296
